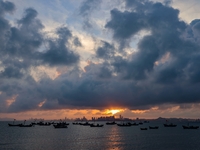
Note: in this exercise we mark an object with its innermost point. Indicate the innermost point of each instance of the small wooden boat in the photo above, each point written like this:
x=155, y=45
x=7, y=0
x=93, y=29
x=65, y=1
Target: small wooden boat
x=133, y=124
x=14, y=125
x=86, y=124
x=111, y=123
x=140, y=123
x=124, y=125
x=60, y=126
x=97, y=125
x=153, y=127
x=143, y=128
x=169, y=125
x=190, y=127
x=26, y=125
x=75, y=123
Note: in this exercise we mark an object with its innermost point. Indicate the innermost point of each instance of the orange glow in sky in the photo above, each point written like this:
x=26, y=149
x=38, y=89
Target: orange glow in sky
x=113, y=111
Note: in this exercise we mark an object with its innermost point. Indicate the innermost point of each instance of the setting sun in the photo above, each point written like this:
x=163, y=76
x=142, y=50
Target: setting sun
x=113, y=111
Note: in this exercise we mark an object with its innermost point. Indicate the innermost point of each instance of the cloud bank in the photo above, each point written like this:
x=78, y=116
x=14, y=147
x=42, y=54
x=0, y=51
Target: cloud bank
x=162, y=68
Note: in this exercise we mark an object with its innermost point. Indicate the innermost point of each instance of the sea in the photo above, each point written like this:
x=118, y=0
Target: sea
x=108, y=137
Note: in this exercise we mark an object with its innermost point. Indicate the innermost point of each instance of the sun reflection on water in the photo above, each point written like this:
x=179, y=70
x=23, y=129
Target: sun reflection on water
x=114, y=139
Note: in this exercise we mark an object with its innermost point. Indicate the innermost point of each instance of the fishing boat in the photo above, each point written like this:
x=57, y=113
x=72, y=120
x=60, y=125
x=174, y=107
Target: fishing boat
x=13, y=124
x=190, y=127
x=86, y=124
x=111, y=123
x=143, y=128
x=60, y=126
x=153, y=127
x=43, y=123
x=146, y=121
x=124, y=125
x=169, y=125
x=75, y=123
x=26, y=125
x=133, y=124
x=97, y=125
x=62, y=123
x=140, y=123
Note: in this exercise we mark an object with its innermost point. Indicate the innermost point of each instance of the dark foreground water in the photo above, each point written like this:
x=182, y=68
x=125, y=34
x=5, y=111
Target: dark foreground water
x=77, y=137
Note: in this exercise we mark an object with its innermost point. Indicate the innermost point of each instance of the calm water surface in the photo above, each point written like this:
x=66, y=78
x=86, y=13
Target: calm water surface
x=77, y=137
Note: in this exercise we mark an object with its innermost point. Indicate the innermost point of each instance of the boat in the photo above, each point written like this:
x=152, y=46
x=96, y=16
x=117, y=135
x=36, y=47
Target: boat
x=86, y=124
x=153, y=127
x=190, y=127
x=63, y=123
x=43, y=124
x=140, y=123
x=143, y=129
x=133, y=124
x=97, y=125
x=124, y=125
x=14, y=125
x=75, y=123
x=26, y=125
x=169, y=125
x=111, y=123
x=60, y=126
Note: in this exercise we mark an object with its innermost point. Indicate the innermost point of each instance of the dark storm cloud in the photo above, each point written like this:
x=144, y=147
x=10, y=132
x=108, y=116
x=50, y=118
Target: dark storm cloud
x=21, y=50
x=58, y=53
x=10, y=72
x=164, y=68
x=105, y=51
x=165, y=27
x=6, y=7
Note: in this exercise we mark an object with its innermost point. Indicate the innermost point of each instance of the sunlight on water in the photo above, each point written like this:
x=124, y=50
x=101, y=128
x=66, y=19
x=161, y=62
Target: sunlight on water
x=109, y=137
x=114, y=140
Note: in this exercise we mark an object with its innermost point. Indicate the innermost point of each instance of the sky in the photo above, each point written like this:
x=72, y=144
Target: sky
x=88, y=57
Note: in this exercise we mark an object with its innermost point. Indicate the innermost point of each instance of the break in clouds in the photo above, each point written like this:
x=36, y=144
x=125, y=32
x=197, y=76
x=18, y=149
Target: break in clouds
x=161, y=68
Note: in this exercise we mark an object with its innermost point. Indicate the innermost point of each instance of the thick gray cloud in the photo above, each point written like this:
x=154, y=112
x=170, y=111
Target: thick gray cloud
x=105, y=51
x=85, y=11
x=58, y=53
x=164, y=68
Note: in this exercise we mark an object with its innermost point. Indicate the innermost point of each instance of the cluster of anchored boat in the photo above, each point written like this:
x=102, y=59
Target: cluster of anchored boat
x=63, y=124
x=60, y=124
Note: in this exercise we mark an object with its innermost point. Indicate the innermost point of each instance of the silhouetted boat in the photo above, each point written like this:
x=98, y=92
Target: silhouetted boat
x=111, y=123
x=154, y=127
x=124, y=125
x=143, y=128
x=140, y=123
x=60, y=126
x=190, y=127
x=97, y=125
x=133, y=124
x=63, y=123
x=86, y=124
x=75, y=123
x=14, y=125
x=43, y=124
x=169, y=125
x=26, y=125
